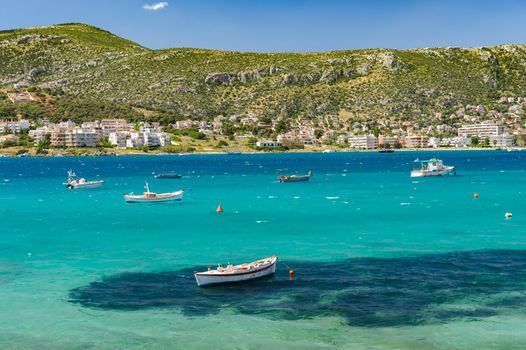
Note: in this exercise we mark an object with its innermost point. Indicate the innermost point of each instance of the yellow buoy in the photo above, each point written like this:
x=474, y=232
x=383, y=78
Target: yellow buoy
x=476, y=195
x=219, y=209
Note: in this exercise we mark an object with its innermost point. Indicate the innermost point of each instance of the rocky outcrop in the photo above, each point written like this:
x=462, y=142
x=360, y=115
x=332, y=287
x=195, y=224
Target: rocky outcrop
x=243, y=77
x=221, y=78
x=389, y=61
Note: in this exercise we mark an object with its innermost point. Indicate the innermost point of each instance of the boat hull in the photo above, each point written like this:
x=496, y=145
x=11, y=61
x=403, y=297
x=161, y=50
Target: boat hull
x=445, y=171
x=205, y=279
x=91, y=184
x=167, y=176
x=175, y=196
x=294, y=179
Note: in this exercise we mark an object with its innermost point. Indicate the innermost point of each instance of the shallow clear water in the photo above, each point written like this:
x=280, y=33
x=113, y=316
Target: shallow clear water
x=382, y=261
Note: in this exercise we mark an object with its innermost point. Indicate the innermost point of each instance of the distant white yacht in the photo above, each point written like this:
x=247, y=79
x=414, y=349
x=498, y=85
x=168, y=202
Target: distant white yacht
x=74, y=182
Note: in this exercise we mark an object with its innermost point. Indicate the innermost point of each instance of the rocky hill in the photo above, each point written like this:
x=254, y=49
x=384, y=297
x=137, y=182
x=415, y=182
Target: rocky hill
x=87, y=62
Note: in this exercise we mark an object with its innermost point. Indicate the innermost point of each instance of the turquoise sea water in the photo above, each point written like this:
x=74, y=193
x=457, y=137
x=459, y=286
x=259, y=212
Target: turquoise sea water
x=382, y=261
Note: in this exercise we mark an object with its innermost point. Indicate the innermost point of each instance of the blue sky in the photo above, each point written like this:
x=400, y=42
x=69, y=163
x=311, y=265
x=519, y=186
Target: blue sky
x=285, y=25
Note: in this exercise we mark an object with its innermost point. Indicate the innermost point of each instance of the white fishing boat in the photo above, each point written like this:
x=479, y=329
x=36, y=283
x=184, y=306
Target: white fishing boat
x=237, y=273
x=433, y=167
x=74, y=182
x=153, y=197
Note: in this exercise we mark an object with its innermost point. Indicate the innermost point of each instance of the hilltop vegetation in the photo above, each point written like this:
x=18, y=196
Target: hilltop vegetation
x=88, y=69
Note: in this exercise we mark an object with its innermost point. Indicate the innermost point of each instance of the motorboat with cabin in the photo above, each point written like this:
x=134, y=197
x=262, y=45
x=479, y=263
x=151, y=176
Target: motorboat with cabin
x=433, y=167
x=74, y=182
x=237, y=273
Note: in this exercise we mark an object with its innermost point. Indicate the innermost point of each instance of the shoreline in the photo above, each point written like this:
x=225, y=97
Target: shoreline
x=79, y=152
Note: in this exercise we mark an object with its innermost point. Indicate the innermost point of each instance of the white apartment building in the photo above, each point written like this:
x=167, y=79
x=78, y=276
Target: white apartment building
x=362, y=141
x=501, y=140
x=14, y=127
x=81, y=138
x=113, y=125
x=482, y=130
x=138, y=139
x=155, y=139
x=135, y=140
x=38, y=134
x=118, y=138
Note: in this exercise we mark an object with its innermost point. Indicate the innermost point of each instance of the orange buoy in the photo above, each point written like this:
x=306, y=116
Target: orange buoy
x=476, y=195
x=291, y=274
x=219, y=209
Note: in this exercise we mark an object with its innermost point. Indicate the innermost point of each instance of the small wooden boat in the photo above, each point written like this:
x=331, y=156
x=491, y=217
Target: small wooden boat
x=237, y=273
x=153, y=197
x=167, y=176
x=74, y=182
x=295, y=178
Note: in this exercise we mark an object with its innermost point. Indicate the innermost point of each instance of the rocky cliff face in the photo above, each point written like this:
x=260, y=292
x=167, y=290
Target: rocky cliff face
x=86, y=61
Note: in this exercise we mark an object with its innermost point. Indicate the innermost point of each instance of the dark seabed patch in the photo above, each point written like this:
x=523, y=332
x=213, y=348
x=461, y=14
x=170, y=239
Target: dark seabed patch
x=367, y=292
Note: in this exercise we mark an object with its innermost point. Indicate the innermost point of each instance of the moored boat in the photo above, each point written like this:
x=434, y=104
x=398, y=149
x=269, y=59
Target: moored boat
x=153, y=197
x=295, y=178
x=167, y=176
x=433, y=167
x=74, y=182
x=386, y=150
x=237, y=273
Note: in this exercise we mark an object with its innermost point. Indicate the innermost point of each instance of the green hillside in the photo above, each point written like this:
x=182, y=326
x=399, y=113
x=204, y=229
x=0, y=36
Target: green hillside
x=89, y=63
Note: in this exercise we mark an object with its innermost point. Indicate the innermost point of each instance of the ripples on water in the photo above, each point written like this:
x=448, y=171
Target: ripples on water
x=367, y=292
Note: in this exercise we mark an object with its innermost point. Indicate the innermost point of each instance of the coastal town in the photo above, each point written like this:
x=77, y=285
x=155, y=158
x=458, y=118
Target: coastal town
x=469, y=126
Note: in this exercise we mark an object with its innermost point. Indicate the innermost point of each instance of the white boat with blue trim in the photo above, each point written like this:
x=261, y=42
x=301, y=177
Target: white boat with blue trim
x=237, y=273
x=433, y=167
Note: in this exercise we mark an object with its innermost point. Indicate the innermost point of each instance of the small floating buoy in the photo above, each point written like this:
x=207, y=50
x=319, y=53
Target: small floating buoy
x=476, y=195
x=508, y=215
x=291, y=274
x=219, y=209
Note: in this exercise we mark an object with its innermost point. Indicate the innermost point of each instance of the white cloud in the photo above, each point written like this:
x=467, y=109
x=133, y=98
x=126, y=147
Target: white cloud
x=155, y=7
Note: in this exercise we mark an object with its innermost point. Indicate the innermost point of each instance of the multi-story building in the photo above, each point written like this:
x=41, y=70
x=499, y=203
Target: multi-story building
x=501, y=140
x=79, y=137
x=118, y=138
x=416, y=141
x=362, y=141
x=387, y=140
x=136, y=140
x=155, y=139
x=15, y=126
x=58, y=137
x=113, y=125
x=39, y=134
x=482, y=130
